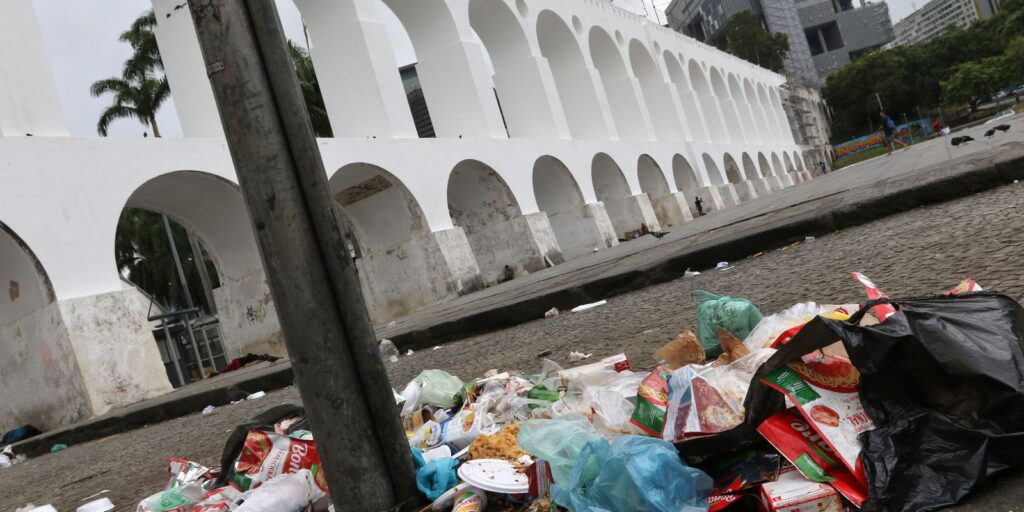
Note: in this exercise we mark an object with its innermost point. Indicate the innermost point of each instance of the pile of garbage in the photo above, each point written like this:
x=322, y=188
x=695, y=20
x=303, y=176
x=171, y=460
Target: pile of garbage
x=901, y=405
x=894, y=405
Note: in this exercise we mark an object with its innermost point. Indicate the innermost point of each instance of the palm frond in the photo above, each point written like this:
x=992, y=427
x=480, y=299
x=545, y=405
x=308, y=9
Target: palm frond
x=114, y=113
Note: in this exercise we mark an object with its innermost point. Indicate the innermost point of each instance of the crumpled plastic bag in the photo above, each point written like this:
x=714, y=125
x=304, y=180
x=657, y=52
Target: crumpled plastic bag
x=710, y=400
x=437, y=388
x=736, y=315
x=434, y=478
x=291, y=492
x=608, y=397
x=634, y=474
x=557, y=441
x=787, y=322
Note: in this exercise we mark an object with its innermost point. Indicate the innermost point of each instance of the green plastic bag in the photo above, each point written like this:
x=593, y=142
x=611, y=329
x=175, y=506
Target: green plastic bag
x=438, y=388
x=738, y=316
x=557, y=441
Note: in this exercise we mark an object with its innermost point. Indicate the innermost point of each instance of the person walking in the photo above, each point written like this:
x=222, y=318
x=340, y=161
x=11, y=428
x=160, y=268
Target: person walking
x=889, y=127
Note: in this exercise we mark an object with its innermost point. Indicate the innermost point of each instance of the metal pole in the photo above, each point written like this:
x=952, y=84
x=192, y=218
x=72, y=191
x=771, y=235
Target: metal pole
x=316, y=290
x=209, y=351
x=177, y=263
x=172, y=351
x=204, y=275
x=195, y=346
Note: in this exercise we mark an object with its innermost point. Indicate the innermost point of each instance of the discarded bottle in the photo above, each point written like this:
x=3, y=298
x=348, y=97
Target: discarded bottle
x=388, y=351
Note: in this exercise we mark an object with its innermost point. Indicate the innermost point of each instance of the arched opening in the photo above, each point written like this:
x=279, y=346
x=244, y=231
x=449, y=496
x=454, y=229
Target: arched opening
x=618, y=86
x=521, y=94
x=686, y=181
x=763, y=165
x=749, y=169
x=769, y=112
x=572, y=77
x=714, y=174
x=223, y=275
x=732, y=171
x=789, y=163
x=743, y=110
x=482, y=204
x=626, y=211
x=652, y=180
x=401, y=264
x=460, y=102
x=708, y=104
x=777, y=165
x=660, y=106
x=40, y=383
x=760, y=116
x=559, y=196
x=691, y=114
x=780, y=115
x=799, y=162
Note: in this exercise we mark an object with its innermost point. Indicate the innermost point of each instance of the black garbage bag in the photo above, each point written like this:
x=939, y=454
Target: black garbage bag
x=943, y=382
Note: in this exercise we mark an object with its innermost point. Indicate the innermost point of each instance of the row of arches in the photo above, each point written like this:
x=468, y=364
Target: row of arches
x=555, y=75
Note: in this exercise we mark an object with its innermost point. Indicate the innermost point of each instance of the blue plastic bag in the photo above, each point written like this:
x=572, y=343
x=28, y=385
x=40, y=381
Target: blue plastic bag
x=736, y=315
x=635, y=474
x=434, y=478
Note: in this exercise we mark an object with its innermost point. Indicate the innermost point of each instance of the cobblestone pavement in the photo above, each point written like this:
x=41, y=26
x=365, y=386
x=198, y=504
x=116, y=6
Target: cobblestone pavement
x=919, y=252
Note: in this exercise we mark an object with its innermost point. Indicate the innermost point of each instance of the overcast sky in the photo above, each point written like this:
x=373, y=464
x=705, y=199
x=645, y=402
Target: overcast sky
x=81, y=41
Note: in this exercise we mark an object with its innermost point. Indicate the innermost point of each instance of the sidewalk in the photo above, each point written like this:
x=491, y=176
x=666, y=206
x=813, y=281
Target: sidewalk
x=928, y=173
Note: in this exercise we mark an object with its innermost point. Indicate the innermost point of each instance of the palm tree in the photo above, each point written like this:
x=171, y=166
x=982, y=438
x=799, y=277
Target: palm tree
x=311, y=90
x=140, y=91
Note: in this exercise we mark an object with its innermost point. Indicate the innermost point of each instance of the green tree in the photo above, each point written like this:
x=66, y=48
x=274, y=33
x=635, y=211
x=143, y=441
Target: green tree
x=140, y=91
x=311, y=93
x=747, y=39
x=973, y=82
x=143, y=256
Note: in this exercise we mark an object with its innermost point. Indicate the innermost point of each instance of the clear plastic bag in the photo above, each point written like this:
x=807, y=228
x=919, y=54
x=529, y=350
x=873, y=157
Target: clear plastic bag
x=768, y=330
x=557, y=441
x=285, y=493
x=437, y=388
x=635, y=474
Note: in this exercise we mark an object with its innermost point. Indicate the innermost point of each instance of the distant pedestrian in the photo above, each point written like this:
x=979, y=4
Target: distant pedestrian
x=823, y=167
x=700, y=206
x=937, y=127
x=889, y=127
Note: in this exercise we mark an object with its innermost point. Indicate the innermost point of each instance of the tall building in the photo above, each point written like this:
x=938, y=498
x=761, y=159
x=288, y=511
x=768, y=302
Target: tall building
x=824, y=35
x=935, y=16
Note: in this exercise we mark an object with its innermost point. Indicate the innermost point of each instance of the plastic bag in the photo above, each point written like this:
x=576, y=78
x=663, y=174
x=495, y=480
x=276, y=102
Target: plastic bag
x=635, y=474
x=436, y=477
x=437, y=388
x=782, y=326
x=943, y=382
x=736, y=315
x=285, y=493
x=557, y=441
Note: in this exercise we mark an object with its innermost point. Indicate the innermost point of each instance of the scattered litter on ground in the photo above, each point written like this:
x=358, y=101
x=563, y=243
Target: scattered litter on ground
x=575, y=357
x=436, y=347
x=809, y=239
x=722, y=265
x=543, y=354
x=19, y=434
x=100, y=505
x=551, y=313
x=585, y=307
x=101, y=493
x=58, y=448
x=409, y=353
x=208, y=410
x=388, y=351
x=885, y=405
x=257, y=395
x=241, y=362
x=690, y=273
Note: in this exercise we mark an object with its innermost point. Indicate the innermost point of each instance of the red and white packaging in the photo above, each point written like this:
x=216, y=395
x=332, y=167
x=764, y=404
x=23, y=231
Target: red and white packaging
x=882, y=311
x=797, y=441
x=266, y=455
x=966, y=286
x=824, y=388
x=794, y=493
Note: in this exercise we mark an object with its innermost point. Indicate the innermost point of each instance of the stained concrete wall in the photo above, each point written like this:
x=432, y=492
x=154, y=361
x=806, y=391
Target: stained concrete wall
x=116, y=351
x=248, y=319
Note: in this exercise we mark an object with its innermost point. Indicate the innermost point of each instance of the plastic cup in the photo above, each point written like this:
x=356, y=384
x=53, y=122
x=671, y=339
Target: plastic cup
x=100, y=505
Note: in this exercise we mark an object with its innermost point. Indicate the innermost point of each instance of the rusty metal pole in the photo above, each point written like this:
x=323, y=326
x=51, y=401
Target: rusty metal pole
x=316, y=291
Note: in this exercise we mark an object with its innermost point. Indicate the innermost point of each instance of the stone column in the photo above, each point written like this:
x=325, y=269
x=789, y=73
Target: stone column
x=530, y=100
x=746, y=191
x=786, y=179
x=761, y=186
x=775, y=183
x=730, y=196
x=524, y=243
x=248, y=318
x=712, y=199
x=628, y=213
x=29, y=104
x=672, y=209
x=697, y=126
x=587, y=111
x=583, y=229
x=356, y=68
x=629, y=87
x=458, y=91
x=117, y=354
